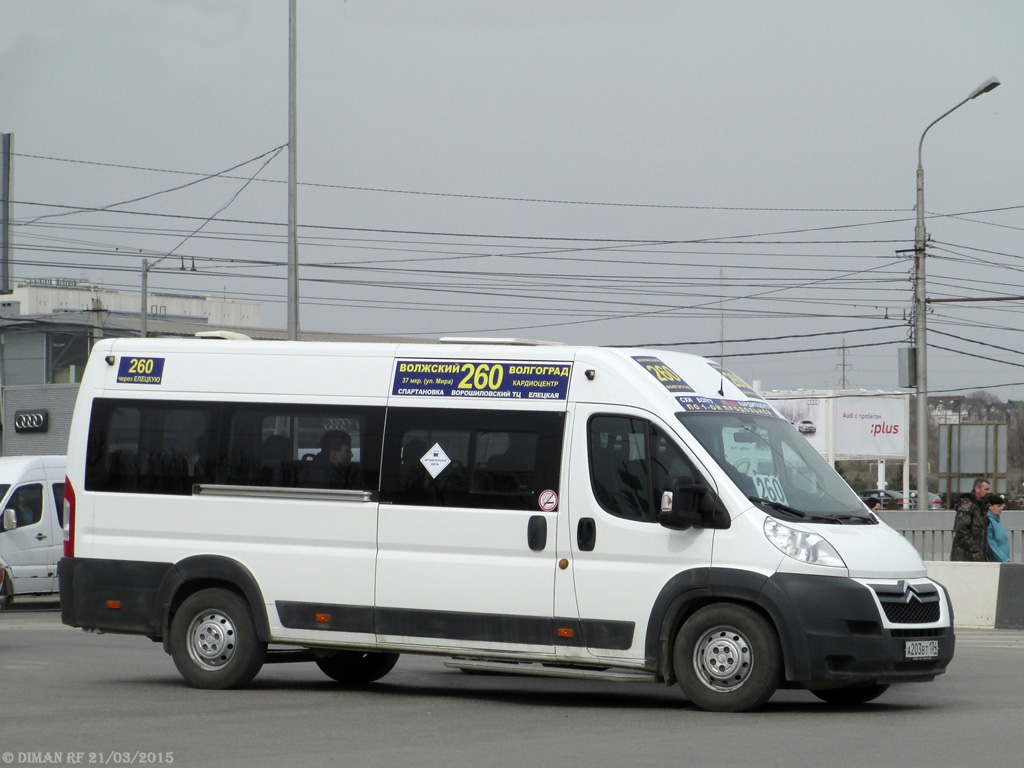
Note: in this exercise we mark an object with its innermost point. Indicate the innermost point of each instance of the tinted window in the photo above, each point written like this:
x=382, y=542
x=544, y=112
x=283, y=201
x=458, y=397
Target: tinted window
x=631, y=464
x=471, y=458
x=290, y=446
x=27, y=503
x=58, y=502
x=148, y=447
x=166, y=447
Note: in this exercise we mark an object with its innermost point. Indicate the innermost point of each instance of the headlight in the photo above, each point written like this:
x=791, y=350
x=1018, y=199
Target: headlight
x=802, y=545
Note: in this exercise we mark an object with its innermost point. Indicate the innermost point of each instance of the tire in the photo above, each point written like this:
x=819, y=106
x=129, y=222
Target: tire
x=727, y=658
x=213, y=640
x=356, y=667
x=6, y=598
x=852, y=695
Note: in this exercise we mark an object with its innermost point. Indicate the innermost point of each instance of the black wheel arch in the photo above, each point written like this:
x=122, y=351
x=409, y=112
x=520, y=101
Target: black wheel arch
x=687, y=592
x=200, y=572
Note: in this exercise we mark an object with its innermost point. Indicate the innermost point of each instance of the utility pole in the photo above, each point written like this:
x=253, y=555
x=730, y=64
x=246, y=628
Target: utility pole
x=144, y=309
x=5, y=214
x=293, y=243
x=842, y=368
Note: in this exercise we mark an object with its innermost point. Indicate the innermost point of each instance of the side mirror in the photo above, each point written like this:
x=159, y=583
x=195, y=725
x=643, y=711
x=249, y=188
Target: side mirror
x=686, y=505
x=681, y=506
x=10, y=520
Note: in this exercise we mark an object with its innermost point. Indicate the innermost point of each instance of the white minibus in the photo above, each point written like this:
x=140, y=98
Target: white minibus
x=630, y=513
x=31, y=504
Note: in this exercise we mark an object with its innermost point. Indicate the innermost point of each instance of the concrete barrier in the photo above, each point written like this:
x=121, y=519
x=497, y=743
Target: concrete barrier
x=984, y=595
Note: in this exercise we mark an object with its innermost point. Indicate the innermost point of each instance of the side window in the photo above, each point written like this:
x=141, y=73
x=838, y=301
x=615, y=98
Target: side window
x=631, y=463
x=618, y=466
x=27, y=503
x=58, y=502
x=147, y=447
x=289, y=446
x=471, y=458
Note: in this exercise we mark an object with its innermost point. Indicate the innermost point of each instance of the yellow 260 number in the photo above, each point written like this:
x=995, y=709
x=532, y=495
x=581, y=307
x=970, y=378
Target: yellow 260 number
x=482, y=376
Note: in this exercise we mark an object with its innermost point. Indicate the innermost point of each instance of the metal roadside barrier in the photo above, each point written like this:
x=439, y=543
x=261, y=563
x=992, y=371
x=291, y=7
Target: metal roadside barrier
x=931, y=531
x=984, y=595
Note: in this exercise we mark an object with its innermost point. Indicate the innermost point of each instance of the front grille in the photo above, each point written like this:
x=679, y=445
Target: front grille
x=916, y=634
x=912, y=612
x=906, y=603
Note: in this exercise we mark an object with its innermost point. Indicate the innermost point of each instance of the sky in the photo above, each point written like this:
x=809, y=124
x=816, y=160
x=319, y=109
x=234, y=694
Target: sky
x=734, y=179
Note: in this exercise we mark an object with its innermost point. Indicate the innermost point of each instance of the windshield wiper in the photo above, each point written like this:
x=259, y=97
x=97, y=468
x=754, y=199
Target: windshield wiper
x=790, y=510
x=856, y=519
x=779, y=506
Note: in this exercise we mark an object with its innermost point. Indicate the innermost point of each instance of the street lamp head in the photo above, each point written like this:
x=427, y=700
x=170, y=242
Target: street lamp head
x=991, y=84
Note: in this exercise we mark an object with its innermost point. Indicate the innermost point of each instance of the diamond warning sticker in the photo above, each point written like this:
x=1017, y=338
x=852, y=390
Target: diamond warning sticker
x=435, y=460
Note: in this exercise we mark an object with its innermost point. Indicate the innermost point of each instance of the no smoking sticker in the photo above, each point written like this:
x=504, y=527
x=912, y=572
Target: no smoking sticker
x=547, y=500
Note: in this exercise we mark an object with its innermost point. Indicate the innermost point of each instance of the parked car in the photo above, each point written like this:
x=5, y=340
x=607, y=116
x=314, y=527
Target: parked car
x=934, y=501
x=890, y=499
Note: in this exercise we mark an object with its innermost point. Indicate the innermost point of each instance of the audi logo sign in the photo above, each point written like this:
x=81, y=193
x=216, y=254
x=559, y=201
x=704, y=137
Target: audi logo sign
x=31, y=421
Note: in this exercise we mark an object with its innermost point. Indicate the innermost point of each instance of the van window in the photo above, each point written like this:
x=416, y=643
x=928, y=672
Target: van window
x=292, y=446
x=139, y=446
x=27, y=503
x=471, y=458
x=58, y=502
x=631, y=463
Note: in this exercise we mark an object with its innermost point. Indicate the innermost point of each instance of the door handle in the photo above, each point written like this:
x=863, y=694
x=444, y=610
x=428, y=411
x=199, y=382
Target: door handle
x=537, y=533
x=586, y=534
x=40, y=536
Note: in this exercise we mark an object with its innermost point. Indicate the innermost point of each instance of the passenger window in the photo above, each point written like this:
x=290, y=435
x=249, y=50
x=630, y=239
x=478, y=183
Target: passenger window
x=138, y=446
x=304, y=447
x=145, y=447
x=58, y=501
x=631, y=463
x=471, y=458
x=27, y=503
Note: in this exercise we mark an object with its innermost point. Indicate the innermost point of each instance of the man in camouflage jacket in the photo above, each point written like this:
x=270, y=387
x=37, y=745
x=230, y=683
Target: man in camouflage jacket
x=970, y=526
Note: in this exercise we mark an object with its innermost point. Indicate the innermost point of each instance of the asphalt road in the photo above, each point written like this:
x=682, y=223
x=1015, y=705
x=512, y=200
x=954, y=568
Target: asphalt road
x=115, y=700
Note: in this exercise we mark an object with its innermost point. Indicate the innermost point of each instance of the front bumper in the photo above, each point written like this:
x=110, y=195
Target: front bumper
x=842, y=630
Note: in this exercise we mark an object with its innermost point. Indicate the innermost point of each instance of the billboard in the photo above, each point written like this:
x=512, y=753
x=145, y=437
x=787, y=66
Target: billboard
x=849, y=425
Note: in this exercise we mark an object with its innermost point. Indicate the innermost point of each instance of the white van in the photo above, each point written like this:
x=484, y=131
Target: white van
x=32, y=489
x=635, y=513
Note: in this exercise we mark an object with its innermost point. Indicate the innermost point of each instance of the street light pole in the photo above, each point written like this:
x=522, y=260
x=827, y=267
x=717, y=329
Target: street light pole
x=920, y=308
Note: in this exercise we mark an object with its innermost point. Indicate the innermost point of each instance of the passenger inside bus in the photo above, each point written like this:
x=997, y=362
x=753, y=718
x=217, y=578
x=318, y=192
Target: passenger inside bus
x=333, y=466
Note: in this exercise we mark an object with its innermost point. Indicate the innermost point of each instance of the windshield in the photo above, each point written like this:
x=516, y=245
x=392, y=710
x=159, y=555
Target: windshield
x=4, y=488
x=775, y=466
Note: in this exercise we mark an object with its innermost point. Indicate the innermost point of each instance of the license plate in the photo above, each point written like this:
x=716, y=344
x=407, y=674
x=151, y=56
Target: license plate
x=922, y=649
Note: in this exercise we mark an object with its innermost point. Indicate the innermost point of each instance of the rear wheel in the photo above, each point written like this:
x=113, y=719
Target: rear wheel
x=727, y=658
x=857, y=694
x=213, y=640
x=356, y=667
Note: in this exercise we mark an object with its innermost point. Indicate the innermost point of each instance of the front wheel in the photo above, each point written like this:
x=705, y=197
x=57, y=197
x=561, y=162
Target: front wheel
x=727, y=658
x=213, y=640
x=852, y=695
x=356, y=667
x=6, y=591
